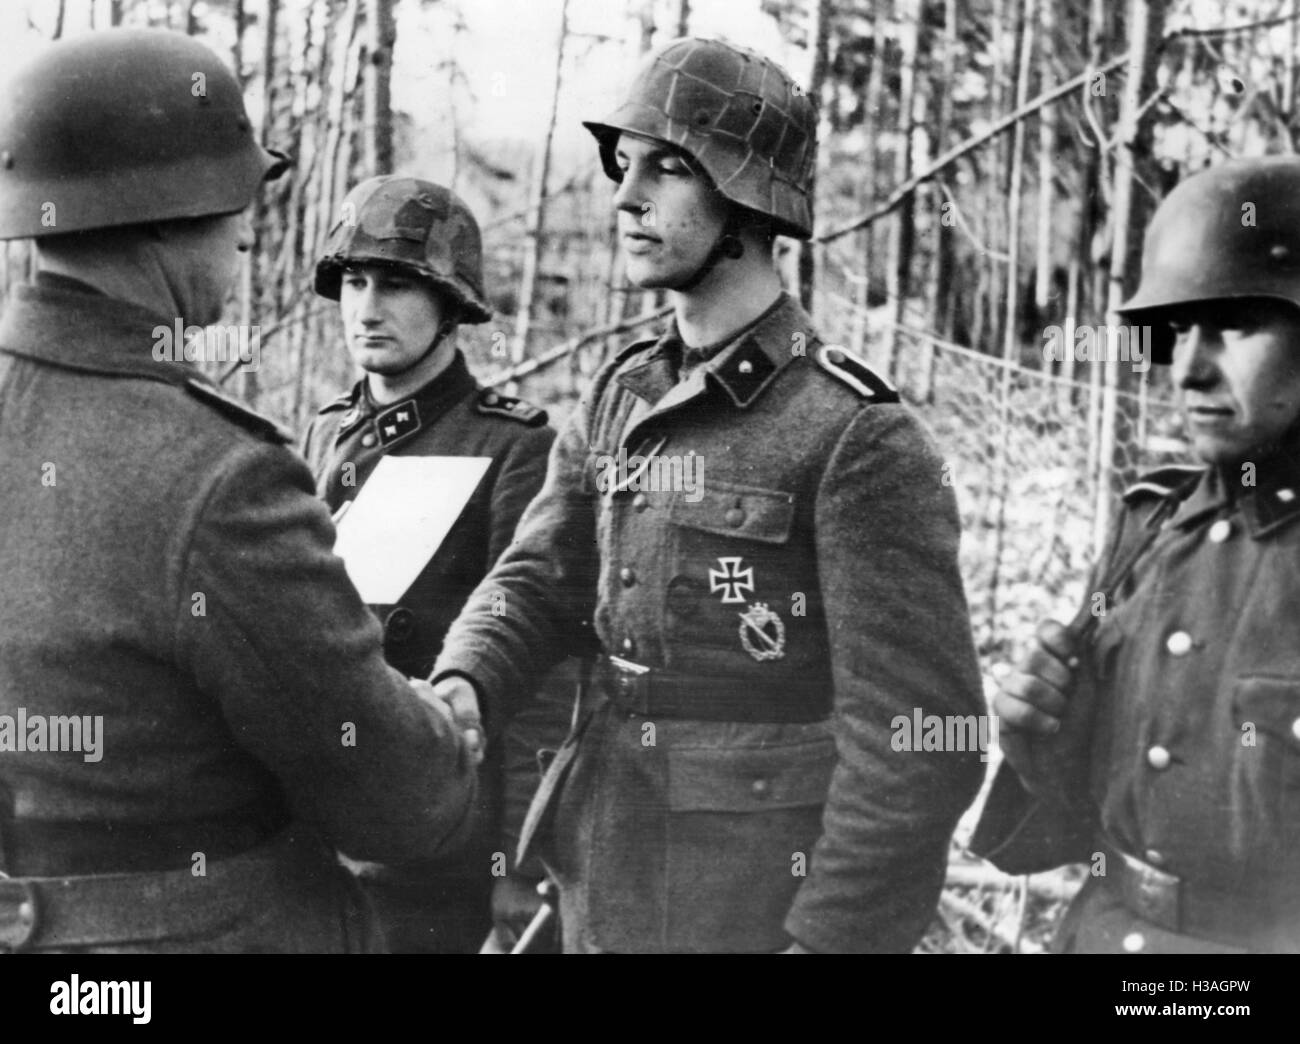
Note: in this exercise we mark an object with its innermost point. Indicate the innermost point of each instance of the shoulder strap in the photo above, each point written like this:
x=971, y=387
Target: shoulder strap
x=495, y=404
x=1121, y=564
x=847, y=368
x=236, y=411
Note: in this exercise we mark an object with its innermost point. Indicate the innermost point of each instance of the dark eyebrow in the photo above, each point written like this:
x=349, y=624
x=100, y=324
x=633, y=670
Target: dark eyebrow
x=657, y=153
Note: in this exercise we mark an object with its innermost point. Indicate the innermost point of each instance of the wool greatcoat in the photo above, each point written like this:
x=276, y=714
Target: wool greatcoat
x=168, y=570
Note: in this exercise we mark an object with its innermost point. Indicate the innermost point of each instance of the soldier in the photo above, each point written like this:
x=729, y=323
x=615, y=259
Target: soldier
x=170, y=588
x=1158, y=737
x=405, y=265
x=762, y=534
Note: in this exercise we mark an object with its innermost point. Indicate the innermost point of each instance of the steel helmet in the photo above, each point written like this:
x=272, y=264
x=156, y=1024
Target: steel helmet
x=412, y=224
x=738, y=114
x=120, y=127
x=1230, y=231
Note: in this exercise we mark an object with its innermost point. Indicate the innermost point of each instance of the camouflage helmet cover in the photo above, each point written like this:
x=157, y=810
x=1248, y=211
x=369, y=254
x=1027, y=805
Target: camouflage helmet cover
x=738, y=114
x=1232, y=231
x=411, y=224
x=121, y=127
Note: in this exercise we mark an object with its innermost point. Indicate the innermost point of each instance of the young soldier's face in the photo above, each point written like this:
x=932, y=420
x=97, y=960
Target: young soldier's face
x=1236, y=366
x=389, y=317
x=669, y=217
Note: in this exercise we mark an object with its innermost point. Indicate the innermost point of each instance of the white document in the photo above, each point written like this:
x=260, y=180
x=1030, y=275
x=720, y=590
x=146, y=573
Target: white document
x=400, y=518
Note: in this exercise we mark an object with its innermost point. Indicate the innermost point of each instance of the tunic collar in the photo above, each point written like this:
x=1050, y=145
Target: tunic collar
x=1267, y=490
x=743, y=368
x=408, y=415
x=63, y=322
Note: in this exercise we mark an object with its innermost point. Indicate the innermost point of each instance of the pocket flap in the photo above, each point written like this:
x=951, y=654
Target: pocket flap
x=1272, y=704
x=745, y=512
x=749, y=779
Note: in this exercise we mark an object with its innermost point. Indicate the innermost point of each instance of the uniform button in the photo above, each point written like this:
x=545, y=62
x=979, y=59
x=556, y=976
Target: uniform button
x=745, y=366
x=1154, y=858
x=640, y=502
x=1158, y=757
x=1179, y=643
x=759, y=787
x=490, y=399
x=629, y=646
x=368, y=439
x=1286, y=495
x=1134, y=942
x=627, y=576
x=1220, y=531
x=735, y=517
x=399, y=625
x=1295, y=728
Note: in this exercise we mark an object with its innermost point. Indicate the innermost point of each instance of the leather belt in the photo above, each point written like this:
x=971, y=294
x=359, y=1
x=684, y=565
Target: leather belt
x=46, y=848
x=108, y=909
x=1186, y=907
x=653, y=692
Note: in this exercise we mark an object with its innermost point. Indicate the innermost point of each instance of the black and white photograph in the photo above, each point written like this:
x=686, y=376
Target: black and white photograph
x=650, y=477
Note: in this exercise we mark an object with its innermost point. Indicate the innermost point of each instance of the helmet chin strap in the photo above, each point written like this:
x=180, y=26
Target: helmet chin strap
x=727, y=245
x=444, y=328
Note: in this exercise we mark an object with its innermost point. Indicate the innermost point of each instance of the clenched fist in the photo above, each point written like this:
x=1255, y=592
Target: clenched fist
x=1032, y=703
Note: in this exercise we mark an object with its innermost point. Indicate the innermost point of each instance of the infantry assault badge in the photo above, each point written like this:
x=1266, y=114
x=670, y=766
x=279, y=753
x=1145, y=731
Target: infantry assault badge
x=762, y=633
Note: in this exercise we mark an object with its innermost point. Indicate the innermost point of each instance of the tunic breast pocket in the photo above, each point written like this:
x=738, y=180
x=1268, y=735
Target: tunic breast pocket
x=730, y=548
x=1264, y=786
x=742, y=823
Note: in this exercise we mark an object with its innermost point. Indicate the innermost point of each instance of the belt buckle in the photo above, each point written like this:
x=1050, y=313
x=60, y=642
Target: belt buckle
x=631, y=685
x=1153, y=894
x=19, y=914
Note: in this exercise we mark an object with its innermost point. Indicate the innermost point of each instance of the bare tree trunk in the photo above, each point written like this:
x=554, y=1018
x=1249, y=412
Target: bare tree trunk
x=1011, y=330
x=1140, y=50
x=247, y=261
x=645, y=16
x=58, y=19
x=1089, y=287
x=902, y=230
x=870, y=128
x=377, y=123
x=331, y=174
x=332, y=190
x=684, y=18
x=537, y=207
x=1011, y=341
x=941, y=265
x=1046, y=172
x=994, y=185
x=1288, y=70
x=807, y=256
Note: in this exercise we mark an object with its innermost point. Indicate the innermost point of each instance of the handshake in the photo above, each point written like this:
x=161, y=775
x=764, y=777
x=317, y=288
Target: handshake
x=455, y=700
